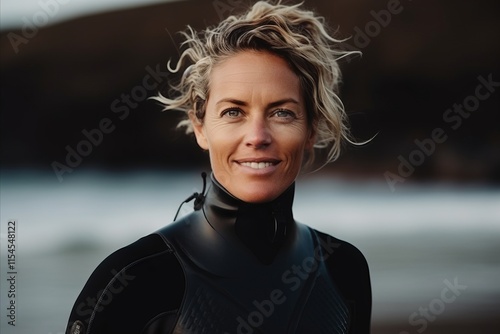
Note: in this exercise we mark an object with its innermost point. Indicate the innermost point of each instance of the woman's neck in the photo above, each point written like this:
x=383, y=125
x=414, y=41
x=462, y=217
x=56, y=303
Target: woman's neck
x=264, y=228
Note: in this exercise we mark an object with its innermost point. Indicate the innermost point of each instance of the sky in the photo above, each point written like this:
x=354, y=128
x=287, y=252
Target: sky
x=14, y=13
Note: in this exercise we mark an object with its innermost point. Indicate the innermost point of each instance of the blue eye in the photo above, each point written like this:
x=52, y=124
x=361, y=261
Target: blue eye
x=231, y=113
x=283, y=113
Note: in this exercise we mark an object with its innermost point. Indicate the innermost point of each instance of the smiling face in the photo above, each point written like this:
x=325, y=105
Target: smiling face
x=255, y=126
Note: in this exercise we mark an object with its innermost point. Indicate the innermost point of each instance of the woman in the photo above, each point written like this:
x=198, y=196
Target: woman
x=259, y=95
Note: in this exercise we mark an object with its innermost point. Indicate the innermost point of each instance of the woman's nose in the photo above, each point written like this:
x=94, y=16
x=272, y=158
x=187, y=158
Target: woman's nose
x=258, y=134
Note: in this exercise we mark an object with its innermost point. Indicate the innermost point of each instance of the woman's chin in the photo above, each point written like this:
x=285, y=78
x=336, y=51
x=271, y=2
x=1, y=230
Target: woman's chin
x=255, y=189
x=255, y=194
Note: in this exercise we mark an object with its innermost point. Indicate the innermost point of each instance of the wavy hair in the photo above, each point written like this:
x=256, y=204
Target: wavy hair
x=299, y=36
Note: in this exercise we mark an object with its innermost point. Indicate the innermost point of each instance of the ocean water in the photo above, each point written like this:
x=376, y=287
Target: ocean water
x=418, y=241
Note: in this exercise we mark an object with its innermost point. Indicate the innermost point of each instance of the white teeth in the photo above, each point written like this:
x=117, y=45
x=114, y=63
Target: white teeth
x=257, y=165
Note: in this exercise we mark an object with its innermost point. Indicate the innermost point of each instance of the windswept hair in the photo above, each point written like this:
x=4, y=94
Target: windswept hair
x=299, y=36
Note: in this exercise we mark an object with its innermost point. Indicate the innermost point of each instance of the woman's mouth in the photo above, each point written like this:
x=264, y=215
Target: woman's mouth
x=257, y=165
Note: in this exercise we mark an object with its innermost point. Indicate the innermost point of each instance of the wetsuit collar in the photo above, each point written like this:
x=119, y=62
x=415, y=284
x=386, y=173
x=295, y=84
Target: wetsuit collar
x=264, y=228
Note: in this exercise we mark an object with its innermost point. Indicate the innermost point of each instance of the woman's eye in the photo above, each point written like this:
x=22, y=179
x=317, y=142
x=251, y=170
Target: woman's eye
x=231, y=113
x=282, y=113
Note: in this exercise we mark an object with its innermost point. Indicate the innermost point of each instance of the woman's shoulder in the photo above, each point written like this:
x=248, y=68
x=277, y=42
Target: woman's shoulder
x=340, y=252
x=349, y=270
x=142, y=250
x=346, y=264
x=124, y=281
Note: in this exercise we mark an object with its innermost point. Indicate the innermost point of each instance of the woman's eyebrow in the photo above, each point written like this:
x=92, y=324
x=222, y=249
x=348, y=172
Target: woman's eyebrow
x=233, y=101
x=270, y=105
x=283, y=101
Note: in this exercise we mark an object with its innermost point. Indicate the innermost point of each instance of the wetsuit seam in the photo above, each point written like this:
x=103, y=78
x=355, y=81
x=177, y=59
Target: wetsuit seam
x=304, y=295
x=158, y=316
x=350, y=303
x=113, y=279
x=173, y=250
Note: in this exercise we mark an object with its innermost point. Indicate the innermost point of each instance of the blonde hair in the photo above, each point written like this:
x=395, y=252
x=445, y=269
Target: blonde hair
x=298, y=36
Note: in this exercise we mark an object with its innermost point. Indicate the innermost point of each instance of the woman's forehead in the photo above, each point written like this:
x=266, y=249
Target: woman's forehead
x=252, y=72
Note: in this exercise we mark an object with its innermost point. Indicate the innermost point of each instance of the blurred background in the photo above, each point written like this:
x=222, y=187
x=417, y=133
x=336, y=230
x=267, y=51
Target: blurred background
x=89, y=164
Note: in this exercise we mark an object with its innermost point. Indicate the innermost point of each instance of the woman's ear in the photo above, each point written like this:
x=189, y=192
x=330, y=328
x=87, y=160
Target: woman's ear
x=199, y=130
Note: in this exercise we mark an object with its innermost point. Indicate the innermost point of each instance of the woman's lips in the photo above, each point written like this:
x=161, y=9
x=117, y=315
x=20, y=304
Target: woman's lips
x=258, y=163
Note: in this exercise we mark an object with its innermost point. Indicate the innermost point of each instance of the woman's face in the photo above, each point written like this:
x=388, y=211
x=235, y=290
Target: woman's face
x=255, y=126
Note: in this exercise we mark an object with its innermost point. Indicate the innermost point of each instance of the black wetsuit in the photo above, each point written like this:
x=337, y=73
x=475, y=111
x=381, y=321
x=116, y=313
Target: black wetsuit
x=229, y=267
